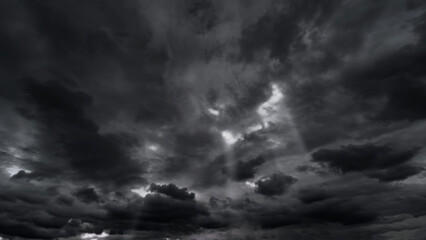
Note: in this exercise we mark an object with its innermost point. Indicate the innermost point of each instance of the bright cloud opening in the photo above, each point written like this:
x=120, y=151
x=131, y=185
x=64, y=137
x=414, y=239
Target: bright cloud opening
x=250, y=184
x=141, y=191
x=94, y=235
x=213, y=111
x=229, y=137
x=12, y=170
x=153, y=147
x=268, y=109
x=254, y=128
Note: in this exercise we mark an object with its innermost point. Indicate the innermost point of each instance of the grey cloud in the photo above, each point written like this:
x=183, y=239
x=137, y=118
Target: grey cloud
x=99, y=98
x=172, y=191
x=274, y=184
x=382, y=162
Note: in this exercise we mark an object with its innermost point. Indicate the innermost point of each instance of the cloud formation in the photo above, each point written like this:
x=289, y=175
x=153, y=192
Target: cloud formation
x=172, y=191
x=274, y=184
x=381, y=162
x=204, y=119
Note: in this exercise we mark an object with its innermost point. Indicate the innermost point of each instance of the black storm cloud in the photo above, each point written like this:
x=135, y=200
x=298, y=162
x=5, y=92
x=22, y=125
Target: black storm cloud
x=202, y=119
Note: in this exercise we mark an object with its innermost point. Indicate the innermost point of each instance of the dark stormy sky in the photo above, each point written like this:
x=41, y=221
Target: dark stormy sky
x=202, y=119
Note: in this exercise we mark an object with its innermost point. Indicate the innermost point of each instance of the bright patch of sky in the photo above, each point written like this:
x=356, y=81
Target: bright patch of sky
x=213, y=111
x=12, y=170
x=94, y=235
x=254, y=128
x=269, y=109
x=141, y=191
x=250, y=184
x=229, y=137
x=153, y=147
x=269, y=112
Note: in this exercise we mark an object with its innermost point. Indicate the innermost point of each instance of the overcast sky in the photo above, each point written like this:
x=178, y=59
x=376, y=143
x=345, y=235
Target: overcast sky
x=202, y=119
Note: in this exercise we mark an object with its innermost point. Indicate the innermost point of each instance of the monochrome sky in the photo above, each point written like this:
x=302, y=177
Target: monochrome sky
x=202, y=119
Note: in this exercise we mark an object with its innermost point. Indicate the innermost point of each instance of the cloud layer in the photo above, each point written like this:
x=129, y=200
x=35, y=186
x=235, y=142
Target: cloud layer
x=203, y=119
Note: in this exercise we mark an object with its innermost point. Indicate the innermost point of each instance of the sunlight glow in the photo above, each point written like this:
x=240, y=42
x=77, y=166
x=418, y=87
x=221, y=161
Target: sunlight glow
x=213, y=111
x=141, y=191
x=265, y=179
x=229, y=137
x=94, y=235
x=268, y=109
x=254, y=128
x=13, y=170
x=250, y=184
x=153, y=147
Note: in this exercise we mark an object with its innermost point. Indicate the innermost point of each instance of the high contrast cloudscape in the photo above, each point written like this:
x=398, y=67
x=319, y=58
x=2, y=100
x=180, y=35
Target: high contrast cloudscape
x=213, y=119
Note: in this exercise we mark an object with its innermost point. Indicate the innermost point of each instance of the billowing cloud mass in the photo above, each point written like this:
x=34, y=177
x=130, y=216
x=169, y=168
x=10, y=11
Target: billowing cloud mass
x=202, y=119
x=172, y=191
x=275, y=184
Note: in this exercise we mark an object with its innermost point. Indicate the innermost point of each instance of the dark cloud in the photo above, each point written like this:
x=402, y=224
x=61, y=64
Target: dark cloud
x=195, y=142
x=278, y=217
x=27, y=176
x=219, y=203
x=351, y=158
x=159, y=209
x=189, y=146
x=65, y=200
x=340, y=212
x=396, y=173
x=274, y=184
x=247, y=170
x=320, y=211
x=87, y=195
x=98, y=98
x=249, y=99
x=278, y=30
x=203, y=14
x=312, y=195
x=62, y=113
x=314, y=169
x=247, y=156
x=37, y=215
x=26, y=230
x=368, y=88
x=29, y=212
x=172, y=191
x=213, y=174
x=396, y=77
x=156, y=212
